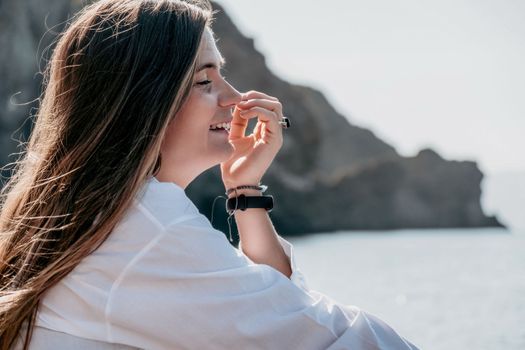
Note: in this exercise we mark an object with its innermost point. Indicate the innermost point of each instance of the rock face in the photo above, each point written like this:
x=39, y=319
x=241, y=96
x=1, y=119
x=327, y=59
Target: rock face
x=329, y=175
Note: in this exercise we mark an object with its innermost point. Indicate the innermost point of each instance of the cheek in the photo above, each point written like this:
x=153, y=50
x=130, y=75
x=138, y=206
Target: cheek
x=203, y=103
x=196, y=114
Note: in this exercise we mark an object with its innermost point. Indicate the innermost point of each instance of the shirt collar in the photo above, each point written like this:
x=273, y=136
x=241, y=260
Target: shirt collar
x=153, y=179
x=167, y=201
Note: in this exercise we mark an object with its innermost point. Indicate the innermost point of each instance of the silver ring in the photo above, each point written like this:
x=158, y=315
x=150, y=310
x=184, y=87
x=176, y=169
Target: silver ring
x=285, y=122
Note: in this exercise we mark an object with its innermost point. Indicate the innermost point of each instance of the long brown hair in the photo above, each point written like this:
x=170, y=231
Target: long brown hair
x=120, y=71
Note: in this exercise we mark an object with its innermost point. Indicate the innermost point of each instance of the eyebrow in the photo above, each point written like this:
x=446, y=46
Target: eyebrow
x=222, y=62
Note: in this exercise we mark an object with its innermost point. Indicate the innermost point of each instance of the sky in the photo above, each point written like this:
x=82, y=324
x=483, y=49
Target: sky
x=444, y=74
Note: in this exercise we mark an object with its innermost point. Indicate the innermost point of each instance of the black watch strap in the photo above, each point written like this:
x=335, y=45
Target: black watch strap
x=243, y=202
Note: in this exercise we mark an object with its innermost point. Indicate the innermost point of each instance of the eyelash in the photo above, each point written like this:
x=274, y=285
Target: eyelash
x=206, y=82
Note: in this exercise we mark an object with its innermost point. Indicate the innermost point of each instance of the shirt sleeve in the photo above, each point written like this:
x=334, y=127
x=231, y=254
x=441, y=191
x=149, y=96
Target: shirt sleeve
x=191, y=289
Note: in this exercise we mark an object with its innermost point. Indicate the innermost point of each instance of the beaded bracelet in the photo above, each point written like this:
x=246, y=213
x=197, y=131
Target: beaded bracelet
x=260, y=187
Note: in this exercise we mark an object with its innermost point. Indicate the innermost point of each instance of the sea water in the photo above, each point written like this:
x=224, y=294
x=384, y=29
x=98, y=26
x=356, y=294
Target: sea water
x=442, y=289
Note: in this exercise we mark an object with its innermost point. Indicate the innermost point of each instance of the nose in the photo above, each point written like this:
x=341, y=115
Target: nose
x=230, y=96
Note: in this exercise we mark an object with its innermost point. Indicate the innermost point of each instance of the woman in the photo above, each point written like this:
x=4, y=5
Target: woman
x=99, y=240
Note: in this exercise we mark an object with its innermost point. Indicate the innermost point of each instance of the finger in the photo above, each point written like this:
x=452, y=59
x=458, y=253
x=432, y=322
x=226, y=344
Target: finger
x=257, y=94
x=264, y=115
x=274, y=106
x=257, y=130
x=238, y=125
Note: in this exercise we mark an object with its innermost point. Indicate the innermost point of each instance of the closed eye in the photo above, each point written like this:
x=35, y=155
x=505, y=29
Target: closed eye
x=207, y=81
x=204, y=82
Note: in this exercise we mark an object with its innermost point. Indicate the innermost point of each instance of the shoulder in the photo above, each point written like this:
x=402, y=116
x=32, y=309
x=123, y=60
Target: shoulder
x=161, y=236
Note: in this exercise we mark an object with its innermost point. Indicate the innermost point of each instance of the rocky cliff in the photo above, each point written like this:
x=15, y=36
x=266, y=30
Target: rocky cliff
x=329, y=175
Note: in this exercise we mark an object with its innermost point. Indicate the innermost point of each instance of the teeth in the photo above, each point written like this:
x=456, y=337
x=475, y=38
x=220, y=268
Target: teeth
x=221, y=126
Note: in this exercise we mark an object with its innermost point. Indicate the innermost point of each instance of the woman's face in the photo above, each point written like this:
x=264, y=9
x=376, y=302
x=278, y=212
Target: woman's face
x=190, y=146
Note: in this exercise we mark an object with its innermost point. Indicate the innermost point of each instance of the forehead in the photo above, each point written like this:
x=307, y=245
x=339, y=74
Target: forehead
x=208, y=51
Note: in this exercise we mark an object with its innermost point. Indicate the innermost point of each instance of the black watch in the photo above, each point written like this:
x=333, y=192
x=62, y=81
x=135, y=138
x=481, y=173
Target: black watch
x=243, y=202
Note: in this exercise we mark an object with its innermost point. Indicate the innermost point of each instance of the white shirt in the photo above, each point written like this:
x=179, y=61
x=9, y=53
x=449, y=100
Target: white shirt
x=166, y=279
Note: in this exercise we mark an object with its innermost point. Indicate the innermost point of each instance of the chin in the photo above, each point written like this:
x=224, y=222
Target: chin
x=219, y=151
x=225, y=155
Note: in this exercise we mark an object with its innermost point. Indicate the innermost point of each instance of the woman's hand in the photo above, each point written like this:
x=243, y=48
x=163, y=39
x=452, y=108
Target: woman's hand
x=254, y=153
